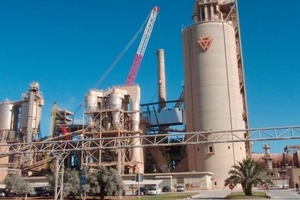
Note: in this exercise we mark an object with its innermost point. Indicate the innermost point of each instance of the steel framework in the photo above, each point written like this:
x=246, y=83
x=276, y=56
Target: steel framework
x=59, y=145
x=58, y=149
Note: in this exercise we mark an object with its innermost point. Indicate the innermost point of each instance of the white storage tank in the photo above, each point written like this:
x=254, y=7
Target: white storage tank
x=92, y=99
x=116, y=102
x=6, y=115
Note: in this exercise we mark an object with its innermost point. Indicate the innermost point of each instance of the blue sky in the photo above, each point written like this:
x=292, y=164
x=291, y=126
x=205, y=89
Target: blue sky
x=67, y=45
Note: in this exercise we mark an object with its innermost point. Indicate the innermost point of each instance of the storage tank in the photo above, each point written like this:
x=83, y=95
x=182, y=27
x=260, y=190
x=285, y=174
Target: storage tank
x=116, y=99
x=94, y=103
x=5, y=115
x=212, y=95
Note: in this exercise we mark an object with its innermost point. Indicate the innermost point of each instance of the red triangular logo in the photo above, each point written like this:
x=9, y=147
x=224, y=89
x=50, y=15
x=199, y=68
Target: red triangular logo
x=205, y=42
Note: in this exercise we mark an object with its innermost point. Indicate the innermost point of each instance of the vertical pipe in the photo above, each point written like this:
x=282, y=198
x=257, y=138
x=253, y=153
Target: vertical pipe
x=196, y=12
x=62, y=181
x=200, y=14
x=205, y=13
x=29, y=131
x=161, y=79
x=212, y=12
x=56, y=178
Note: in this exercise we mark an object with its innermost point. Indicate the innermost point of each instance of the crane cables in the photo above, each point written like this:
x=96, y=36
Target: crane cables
x=122, y=53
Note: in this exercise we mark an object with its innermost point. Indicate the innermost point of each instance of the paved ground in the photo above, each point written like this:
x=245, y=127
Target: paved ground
x=212, y=194
x=222, y=193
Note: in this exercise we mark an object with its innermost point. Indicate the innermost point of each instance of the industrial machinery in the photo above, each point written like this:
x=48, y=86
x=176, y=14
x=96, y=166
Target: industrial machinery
x=20, y=120
x=19, y=123
x=114, y=113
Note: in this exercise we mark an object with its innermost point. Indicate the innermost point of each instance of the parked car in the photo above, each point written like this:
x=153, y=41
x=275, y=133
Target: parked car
x=154, y=190
x=9, y=193
x=180, y=188
x=141, y=191
x=166, y=189
x=2, y=193
x=285, y=186
x=44, y=192
x=32, y=194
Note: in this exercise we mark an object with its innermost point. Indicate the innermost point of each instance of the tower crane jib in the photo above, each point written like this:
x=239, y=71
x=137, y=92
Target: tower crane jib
x=142, y=47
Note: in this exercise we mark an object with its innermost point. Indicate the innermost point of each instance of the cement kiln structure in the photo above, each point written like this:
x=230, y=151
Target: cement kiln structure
x=213, y=102
x=115, y=113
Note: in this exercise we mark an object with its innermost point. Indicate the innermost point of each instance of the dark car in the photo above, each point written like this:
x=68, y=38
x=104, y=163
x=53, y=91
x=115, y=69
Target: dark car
x=9, y=193
x=166, y=189
x=72, y=195
x=141, y=191
x=32, y=193
x=44, y=192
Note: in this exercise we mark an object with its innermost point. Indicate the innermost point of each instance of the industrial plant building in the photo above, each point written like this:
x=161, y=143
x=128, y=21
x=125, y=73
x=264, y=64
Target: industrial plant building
x=213, y=102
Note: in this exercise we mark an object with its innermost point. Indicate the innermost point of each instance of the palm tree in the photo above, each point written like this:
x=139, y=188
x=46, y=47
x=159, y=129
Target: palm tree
x=248, y=173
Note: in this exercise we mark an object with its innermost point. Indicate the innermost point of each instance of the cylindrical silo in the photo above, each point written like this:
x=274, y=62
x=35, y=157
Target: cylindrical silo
x=116, y=99
x=94, y=103
x=6, y=115
x=212, y=91
x=91, y=100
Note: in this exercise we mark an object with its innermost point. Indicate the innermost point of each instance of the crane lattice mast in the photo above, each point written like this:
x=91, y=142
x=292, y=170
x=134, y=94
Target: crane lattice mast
x=142, y=47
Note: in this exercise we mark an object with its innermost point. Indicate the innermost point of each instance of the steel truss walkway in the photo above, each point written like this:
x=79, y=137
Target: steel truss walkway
x=58, y=148
x=60, y=145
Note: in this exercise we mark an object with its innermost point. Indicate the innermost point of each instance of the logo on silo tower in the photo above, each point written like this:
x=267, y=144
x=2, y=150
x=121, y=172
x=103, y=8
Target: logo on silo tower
x=205, y=42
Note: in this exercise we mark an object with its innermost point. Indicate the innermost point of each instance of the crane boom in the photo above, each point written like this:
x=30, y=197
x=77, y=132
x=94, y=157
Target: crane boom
x=142, y=47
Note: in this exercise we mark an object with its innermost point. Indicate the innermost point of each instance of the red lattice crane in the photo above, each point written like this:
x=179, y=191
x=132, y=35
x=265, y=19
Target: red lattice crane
x=142, y=47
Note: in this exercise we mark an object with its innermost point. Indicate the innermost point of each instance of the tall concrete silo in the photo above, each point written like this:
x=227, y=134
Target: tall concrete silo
x=214, y=92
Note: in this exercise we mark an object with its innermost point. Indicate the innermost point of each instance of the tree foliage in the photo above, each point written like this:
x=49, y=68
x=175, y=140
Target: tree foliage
x=101, y=181
x=71, y=181
x=110, y=182
x=92, y=186
x=18, y=185
x=248, y=173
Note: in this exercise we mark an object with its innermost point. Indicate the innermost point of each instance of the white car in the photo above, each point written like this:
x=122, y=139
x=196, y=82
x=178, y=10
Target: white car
x=154, y=190
x=285, y=186
x=180, y=188
x=2, y=194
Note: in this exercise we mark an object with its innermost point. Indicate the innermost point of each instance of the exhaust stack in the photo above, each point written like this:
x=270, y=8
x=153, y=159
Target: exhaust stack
x=162, y=97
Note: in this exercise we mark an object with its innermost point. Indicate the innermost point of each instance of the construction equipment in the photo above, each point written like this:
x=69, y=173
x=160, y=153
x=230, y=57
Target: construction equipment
x=142, y=47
